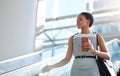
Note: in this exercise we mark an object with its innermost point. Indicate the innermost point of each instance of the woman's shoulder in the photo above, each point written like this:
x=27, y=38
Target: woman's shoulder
x=71, y=37
x=99, y=38
x=98, y=34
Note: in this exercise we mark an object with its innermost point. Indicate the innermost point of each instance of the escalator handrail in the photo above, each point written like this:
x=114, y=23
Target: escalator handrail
x=19, y=62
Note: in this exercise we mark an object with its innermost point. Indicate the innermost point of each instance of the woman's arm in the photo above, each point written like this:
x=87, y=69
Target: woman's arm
x=63, y=61
x=103, y=53
x=68, y=55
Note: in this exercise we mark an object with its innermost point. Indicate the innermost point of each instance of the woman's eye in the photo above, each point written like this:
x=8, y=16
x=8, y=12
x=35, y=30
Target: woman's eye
x=80, y=19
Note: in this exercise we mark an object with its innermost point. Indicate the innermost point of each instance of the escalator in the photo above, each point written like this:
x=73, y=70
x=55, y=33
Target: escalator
x=31, y=64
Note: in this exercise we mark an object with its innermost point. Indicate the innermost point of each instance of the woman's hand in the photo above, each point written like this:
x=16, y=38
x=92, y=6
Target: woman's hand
x=47, y=68
x=90, y=47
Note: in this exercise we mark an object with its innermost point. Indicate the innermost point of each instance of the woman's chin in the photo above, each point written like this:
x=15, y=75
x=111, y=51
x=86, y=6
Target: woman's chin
x=79, y=27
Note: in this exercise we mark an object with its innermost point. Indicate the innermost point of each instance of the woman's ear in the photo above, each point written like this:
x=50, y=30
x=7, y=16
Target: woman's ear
x=88, y=21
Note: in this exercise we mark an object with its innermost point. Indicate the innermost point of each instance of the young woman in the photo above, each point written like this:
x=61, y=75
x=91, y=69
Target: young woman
x=84, y=63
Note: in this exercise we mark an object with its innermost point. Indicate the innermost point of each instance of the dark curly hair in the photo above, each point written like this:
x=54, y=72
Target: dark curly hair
x=89, y=17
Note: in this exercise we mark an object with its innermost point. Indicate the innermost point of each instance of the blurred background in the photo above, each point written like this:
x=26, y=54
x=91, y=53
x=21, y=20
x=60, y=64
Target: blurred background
x=54, y=21
x=60, y=24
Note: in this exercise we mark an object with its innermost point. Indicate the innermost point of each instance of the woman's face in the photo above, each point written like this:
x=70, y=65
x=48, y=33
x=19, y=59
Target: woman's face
x=82, y=22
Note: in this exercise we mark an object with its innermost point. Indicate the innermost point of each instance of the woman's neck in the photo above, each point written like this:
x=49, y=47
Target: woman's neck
x=85, y=31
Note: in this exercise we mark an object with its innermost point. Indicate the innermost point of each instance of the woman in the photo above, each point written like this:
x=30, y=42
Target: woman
x=84, y=63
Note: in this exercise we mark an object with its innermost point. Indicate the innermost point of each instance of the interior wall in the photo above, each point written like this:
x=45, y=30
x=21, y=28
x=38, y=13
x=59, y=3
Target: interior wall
x=17, y=27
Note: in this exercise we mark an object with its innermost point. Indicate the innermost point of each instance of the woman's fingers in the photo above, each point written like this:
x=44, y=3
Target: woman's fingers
x=47, y=68
x=90, y=46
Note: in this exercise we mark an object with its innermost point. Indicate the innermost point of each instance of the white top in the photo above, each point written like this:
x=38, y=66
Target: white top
x=77, y=47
